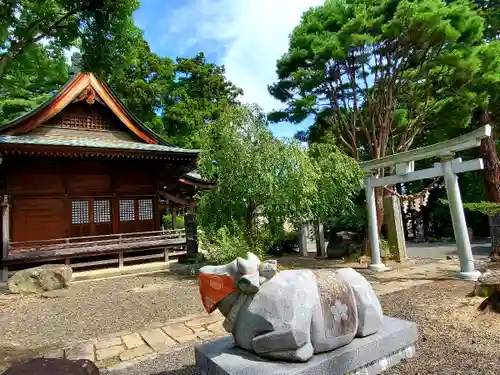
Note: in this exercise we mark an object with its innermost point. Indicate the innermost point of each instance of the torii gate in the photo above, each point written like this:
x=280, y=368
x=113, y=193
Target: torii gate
x=449, y=168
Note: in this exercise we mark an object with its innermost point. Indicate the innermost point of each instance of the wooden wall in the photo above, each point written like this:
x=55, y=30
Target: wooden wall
x=42, y=192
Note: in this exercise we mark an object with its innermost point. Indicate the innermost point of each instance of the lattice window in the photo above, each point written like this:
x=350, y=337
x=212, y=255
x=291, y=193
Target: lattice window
x=145, y=209
x=79, y=212
x=127, y=210
x=102, y=211
x=91, y=122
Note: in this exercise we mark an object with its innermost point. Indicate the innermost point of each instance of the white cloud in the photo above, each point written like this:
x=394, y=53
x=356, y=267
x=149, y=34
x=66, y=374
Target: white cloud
x=253, y=35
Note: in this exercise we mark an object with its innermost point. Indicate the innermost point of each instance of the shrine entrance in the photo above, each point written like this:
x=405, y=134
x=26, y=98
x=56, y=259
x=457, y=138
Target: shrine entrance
x=448, y=168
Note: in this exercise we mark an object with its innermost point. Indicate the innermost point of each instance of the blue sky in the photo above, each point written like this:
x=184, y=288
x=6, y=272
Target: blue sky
x=247, y=37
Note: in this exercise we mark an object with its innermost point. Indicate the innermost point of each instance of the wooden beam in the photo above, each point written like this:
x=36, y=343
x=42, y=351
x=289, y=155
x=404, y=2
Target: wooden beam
x=464, y=142
x=174, y=198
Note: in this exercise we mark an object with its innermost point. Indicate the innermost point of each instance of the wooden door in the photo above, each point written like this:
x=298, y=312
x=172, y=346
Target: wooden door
x=91, y=217
x=136, y=214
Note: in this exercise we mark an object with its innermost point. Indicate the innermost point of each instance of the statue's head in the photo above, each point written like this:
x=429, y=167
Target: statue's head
x=223, y=284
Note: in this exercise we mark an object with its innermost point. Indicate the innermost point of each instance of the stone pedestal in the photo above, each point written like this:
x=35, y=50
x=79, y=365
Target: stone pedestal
x=370, y=355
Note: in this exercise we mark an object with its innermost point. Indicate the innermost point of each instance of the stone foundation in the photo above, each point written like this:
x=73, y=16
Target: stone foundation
x=370, y=355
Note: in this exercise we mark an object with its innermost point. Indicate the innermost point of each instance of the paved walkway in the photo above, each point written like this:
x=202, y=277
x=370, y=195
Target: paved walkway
x=124, y=349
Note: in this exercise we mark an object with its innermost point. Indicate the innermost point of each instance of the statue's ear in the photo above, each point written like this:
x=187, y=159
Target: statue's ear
x=249, y=265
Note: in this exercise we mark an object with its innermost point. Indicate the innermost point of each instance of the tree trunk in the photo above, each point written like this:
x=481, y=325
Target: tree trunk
x=491, y=178
x=491, y=173
x=4, y=59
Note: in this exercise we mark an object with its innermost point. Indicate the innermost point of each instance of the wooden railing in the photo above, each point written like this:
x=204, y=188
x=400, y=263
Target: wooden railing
x=175, y=235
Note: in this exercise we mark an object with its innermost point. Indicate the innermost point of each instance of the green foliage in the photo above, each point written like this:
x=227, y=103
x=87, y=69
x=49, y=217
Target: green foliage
x=486, y=208
x=199, y=92
x=355, y=220
x=259, y=175
x=385, y=250
x=255, y=172
x=373, y=72
x=167, y=221
x=143, y=82
x=187, y=93
x=340, y=180
x=31, y=79
x=103, y=30
x=226, y=244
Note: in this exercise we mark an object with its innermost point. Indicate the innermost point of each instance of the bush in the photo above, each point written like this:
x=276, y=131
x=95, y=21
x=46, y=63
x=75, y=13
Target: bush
x=167, y=222
x=229, y=243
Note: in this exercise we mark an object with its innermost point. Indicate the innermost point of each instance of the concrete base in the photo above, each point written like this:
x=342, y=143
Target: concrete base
x=380, y=267
x=370, y=355
x=472, y=275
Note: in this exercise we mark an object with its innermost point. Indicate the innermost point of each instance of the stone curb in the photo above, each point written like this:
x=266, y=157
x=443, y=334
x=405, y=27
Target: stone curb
x=119, y=350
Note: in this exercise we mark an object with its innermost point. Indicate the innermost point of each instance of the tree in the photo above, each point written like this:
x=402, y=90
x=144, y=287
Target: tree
x=257, y=173
x=143, y=83
x=199, y=94
x=31, y=79
x=351, y=63
x=368, y=70
x=103, y=29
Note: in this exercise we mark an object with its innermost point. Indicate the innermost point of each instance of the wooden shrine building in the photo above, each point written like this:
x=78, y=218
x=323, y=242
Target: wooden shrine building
x=83, y=178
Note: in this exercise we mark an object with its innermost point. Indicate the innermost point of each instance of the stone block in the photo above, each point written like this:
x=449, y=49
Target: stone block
x=187, y=338
x=81, y=351
x=109, y=342
x=135, y=352
x=216, y=328
x=202, y=321
x=109, y=352
x=177, y=330
x=369, y=355
x=157, y=339
x=133, y=340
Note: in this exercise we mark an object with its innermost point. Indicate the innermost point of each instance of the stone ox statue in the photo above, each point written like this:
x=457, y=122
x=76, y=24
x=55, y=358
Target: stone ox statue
x=293, y=314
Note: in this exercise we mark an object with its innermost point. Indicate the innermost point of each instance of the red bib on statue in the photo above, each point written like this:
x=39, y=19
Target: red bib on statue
x=213, y=288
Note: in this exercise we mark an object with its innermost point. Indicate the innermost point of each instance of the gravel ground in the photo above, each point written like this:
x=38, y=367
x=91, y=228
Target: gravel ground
x=454, y=338
x=96, y=308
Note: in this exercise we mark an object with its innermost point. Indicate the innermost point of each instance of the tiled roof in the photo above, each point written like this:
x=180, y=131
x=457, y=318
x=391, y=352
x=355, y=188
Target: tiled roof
x=91, y=143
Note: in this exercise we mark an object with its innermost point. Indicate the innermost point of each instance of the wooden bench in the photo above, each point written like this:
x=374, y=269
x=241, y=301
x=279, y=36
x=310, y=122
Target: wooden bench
x=164, y=244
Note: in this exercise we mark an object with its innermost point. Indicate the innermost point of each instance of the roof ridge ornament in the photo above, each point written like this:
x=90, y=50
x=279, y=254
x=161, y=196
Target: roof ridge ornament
x=89, y=95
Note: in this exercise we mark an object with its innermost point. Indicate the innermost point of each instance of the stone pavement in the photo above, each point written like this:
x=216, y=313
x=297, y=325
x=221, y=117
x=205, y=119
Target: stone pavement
x=124, y=349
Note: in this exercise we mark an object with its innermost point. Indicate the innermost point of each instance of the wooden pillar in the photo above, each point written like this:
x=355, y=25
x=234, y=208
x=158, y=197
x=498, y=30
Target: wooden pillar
x=394, y=225
x=320, y=238
x=5, y=236
x=174, y=217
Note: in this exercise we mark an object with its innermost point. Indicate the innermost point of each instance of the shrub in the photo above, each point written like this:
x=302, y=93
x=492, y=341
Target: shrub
x=167, y=221
x=228, y=243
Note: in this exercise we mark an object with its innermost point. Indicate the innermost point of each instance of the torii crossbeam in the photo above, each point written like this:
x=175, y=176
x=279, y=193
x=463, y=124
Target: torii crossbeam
x=448, y=168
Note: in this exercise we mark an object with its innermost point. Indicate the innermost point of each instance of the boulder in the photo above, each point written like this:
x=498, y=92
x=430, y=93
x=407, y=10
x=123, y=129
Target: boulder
x=40, y=279
x=342, y=244
x=54, y=366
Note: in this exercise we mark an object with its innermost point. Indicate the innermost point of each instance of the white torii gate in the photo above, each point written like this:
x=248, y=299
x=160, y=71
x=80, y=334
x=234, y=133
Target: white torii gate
x=449, y=168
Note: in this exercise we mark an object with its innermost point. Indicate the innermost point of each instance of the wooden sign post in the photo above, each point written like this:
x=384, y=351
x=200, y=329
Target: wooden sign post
x=447, y=168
